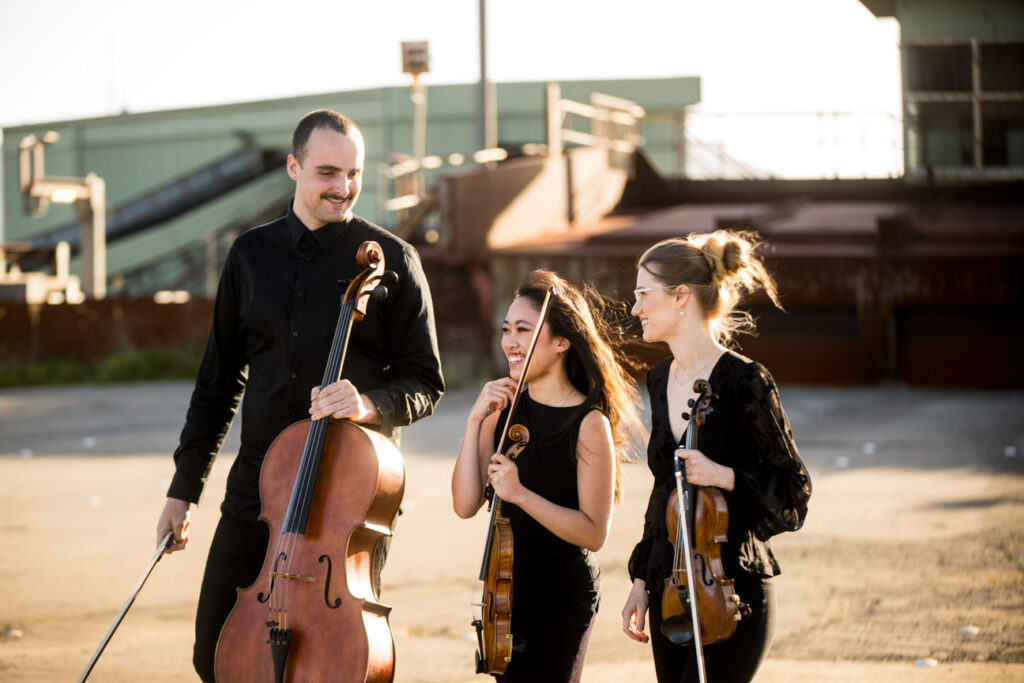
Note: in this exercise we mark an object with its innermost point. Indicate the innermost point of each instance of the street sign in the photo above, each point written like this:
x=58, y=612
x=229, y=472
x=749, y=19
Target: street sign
x=415, y=57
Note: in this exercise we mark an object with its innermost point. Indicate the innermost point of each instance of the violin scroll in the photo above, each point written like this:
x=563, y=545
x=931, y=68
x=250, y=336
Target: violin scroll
x=702, y=402
x=518, y=433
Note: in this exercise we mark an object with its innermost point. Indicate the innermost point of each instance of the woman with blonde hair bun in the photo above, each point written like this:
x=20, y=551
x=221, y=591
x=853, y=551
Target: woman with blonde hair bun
x=687, y=290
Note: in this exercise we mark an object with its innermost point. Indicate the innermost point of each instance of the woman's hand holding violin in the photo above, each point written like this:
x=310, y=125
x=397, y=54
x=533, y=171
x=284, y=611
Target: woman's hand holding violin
x=703, y=471
x=504, y=477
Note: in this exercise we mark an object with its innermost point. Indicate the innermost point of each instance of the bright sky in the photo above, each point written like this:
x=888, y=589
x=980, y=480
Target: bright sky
x=106, y=56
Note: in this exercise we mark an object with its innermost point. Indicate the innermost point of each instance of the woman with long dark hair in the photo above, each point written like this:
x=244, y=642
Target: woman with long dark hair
x=580, y=409
x=686, y=293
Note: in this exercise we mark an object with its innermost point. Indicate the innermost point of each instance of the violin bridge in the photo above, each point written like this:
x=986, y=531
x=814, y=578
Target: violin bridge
x=293, y=577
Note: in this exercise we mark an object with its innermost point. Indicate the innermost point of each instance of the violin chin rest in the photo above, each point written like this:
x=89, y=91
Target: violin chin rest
x=678, y=629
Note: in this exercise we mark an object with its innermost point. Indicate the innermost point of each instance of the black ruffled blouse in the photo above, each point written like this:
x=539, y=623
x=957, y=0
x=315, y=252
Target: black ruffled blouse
x=748, y=431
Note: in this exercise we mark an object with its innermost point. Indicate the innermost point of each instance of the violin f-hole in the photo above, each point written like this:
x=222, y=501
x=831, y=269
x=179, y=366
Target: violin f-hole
x=707, y=577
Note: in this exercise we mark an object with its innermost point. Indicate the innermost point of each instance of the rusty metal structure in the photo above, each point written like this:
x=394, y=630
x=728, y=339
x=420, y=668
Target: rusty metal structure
x=883, y=280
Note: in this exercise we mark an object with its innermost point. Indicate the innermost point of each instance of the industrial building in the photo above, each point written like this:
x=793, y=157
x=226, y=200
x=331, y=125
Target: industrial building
x=912, y=279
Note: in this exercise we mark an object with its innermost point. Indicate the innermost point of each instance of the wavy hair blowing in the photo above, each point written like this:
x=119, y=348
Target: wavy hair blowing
x=594, y=365
x=719, y=268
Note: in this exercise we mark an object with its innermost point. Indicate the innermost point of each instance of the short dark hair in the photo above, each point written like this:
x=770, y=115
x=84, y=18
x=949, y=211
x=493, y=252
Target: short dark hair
x=321, y=118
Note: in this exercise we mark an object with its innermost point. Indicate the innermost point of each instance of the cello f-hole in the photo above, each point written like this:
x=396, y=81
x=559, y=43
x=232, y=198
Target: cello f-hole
x=327, y=584
x=273, y=577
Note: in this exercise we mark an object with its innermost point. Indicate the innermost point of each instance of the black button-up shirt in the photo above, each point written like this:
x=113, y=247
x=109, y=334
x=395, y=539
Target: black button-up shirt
x=276, y=310
x=748, y=431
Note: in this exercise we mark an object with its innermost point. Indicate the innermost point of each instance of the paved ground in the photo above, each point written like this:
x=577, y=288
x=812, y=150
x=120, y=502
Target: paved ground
x=915, y=539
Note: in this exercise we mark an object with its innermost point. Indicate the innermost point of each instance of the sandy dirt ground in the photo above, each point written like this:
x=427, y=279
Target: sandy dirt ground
x=910, y=566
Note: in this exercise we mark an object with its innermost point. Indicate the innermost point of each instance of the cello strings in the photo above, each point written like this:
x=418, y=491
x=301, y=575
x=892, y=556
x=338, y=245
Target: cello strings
x=301, y=500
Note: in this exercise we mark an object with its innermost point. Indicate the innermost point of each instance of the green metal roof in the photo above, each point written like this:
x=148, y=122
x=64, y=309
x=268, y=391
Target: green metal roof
x=136, y=153
x=236, y=210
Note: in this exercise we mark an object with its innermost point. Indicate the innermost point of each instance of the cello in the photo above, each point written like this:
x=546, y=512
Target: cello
x=312, y=614
x=494, y=626
x=699, y=517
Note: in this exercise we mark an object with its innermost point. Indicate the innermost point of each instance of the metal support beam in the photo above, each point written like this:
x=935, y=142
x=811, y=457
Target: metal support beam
x=92, y=212
x=89, y=195
x=979, y=143
x=553, y=107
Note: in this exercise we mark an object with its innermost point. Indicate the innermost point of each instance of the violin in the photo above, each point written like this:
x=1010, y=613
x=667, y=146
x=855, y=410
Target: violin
x=697, y=576
x=493, y=627
x=330, y=491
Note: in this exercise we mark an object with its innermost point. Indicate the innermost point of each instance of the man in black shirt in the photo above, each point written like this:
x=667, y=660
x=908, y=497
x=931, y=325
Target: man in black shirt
x=277, y=305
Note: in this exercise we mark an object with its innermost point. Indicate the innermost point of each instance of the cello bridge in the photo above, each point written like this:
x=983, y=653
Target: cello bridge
x=293, y=577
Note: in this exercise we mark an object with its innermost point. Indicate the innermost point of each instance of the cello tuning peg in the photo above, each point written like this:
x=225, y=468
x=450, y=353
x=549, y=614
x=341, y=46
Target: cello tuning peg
x=379, y=293
x=389, y=278
x=686, y=416
x=689, y=403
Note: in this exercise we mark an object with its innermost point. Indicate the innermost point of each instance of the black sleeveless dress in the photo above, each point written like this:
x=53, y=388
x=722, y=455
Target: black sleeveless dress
x=555, y=585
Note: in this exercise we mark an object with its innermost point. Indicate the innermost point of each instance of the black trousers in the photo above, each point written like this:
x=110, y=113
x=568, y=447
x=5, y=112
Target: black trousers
x=735, y=660
x=236, y=556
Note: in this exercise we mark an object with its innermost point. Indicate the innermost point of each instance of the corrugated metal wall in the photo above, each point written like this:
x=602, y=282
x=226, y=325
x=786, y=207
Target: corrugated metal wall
x=137, y=152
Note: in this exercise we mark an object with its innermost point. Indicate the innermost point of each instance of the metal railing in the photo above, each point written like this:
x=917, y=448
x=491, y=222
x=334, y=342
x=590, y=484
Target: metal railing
x=612, y=123
x=761, y=145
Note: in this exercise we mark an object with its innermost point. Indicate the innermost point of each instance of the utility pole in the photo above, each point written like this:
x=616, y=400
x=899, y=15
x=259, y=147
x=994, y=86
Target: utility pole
x=416, y=61
x=1, y=194
x=487, y=111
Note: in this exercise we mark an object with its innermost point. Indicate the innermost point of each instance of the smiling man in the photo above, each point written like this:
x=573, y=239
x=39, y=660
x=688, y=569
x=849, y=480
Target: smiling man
x=326, y=164
x=277, y=305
